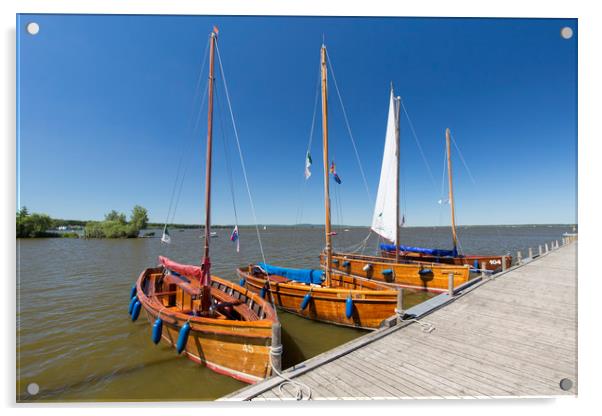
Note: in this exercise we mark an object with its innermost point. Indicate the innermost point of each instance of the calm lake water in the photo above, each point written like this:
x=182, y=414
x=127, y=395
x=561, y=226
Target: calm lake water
x=75, y=339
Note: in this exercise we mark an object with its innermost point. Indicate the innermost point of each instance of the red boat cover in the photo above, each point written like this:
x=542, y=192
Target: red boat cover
x=188, y=270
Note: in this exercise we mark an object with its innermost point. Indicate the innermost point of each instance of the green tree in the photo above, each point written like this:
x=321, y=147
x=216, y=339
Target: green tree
x=21, y=222
x=116, y=226
x=39, y=224
x=32, y=225
x=115, y=216
x=139, y=218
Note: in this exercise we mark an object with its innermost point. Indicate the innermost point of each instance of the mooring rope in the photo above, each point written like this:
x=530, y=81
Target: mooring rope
x=299, y=388
x=427, y=327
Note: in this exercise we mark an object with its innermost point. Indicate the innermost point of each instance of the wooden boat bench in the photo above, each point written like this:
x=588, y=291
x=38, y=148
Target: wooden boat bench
x=237, y=304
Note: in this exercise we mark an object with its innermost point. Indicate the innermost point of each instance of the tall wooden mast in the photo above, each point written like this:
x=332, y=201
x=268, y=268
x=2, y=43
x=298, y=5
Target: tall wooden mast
x=206, y=264
x=396, y=104
x=451, y=190
x=328, y=248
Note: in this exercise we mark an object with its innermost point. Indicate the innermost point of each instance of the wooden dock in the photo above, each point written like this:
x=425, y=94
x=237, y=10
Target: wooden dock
x=512, y=334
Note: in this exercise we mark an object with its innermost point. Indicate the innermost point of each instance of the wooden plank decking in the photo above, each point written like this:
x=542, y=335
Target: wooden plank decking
x=512, y=335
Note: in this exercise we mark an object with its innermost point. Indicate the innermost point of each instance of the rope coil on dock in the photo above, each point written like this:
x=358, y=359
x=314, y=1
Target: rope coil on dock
x=302, y=391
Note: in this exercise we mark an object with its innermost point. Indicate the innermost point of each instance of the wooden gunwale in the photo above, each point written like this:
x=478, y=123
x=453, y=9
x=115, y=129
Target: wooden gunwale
x=205, y=324
x=403, y=274
x=467, y=259
x=393, y=285
x=458, y=269
x=373, y=305
x=383, y=291
x=236, y=348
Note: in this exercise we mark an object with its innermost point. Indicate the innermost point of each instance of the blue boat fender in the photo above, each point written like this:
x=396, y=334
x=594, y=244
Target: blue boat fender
x=475, y=264
x=349, y=307
x=305, y=301
x=262, y=292
x=157, y=331
x=424, y=272
x=183, y=337
x=132, y=303
x=242, y=282
x=133, y=291
x=136, y=310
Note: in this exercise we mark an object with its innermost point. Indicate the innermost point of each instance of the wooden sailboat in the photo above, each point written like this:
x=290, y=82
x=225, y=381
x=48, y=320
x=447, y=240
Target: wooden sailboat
x=211, y=320
x=386, y=222
x=323, y=296
x=484, y=262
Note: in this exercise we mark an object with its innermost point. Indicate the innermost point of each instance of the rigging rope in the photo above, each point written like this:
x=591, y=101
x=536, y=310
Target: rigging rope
x=300, y=205
x=445, y=199
x=242, y=160
x=227, y=158
x=442, y=197
x=244, y=170
x=183, y=176
x=462, y=159
x=357, y=156
x=184, y=152
x=428, y=168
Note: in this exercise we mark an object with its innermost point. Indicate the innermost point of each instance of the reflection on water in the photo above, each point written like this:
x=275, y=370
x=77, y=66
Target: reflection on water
x=76, y=341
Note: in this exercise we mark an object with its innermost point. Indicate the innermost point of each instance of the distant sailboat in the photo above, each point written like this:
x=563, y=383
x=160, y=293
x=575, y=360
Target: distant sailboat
x=211, y=320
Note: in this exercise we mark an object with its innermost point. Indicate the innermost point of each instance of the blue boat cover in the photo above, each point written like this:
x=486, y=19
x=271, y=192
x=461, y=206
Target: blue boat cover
x=298, y=275
x=430, y=251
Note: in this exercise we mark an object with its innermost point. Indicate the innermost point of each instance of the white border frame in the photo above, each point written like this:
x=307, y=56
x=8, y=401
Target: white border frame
x=590, y=71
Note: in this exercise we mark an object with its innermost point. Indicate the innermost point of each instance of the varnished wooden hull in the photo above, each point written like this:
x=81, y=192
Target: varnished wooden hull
x=425, y=276
x=239, y=349
x=372, y=302
x=492, y=263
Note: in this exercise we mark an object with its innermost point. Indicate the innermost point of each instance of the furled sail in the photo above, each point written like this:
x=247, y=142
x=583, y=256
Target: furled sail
x=385, y=209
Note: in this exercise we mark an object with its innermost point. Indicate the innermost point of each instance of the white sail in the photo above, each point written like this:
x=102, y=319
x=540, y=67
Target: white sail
x=385, y=210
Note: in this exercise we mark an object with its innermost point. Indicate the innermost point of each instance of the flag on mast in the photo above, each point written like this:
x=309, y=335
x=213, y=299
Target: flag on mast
x=165, y=238
x=234, y=237
x=334, y=173
x=308, y=163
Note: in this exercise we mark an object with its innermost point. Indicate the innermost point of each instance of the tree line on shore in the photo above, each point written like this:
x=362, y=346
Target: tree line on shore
x=115, y=225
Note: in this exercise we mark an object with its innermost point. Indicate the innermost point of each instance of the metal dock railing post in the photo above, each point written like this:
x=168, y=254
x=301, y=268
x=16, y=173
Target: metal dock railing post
x=530, y=253
x=450, y=285
x=519, y=257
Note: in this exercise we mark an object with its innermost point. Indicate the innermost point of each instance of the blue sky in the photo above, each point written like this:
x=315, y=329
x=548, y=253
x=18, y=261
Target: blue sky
x=106, y=103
